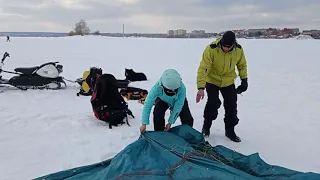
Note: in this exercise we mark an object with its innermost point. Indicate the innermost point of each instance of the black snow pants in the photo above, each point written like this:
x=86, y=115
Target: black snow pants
x=229, y=95
x=159, y=112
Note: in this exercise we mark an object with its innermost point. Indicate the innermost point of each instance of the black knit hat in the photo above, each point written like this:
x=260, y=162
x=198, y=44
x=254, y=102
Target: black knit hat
x=228, y=38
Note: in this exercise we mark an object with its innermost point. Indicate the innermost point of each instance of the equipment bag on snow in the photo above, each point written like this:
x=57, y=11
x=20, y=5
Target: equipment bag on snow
x=107, y=103
x=88, y=81
x=133, y=93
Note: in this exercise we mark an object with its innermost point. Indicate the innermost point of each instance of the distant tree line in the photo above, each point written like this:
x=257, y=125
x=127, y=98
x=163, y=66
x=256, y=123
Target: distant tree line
x=81, y=28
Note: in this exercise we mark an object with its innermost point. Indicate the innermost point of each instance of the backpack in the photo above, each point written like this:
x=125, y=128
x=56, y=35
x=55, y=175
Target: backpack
x=88, y=81
x=107, y=103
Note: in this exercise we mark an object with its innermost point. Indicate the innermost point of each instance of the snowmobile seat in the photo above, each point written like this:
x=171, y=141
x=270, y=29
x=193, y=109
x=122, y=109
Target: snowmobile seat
x=26, y=70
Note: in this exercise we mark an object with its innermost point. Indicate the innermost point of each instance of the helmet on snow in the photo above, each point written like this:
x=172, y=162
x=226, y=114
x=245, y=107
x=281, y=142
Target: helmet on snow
x=171, y=79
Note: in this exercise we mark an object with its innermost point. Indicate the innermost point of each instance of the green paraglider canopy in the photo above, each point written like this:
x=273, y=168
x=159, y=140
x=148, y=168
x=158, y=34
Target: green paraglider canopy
x=180, y=154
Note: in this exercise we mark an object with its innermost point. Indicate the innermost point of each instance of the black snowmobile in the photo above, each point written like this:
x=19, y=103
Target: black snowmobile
x=45, y=76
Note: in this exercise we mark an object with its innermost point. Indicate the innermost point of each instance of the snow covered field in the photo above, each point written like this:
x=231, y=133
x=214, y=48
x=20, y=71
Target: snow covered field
x=44, y=131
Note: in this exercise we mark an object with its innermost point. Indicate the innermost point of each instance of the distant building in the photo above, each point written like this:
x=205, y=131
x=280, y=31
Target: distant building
x=256, y=31
x=310, y=32
x=307, y=32
x=286, y=31
x=198, y=32
x=240, y=33
x=180, y=32
x=296, y=30
x=313, y=33
x=177, y=33
x=271, y=32
x=170, y=33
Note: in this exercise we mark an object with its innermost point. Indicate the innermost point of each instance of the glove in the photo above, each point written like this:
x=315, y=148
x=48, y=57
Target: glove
x=243, y=86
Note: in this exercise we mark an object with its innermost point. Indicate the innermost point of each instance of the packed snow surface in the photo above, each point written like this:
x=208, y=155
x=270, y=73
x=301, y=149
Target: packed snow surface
x=43, y=131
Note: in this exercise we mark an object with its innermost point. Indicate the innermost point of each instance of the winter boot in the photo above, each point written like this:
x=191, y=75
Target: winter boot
x=205, y=132
x=206, y=127
x=232, y=135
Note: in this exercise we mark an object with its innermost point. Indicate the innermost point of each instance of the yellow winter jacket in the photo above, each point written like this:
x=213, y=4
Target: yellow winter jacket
x=218, y=67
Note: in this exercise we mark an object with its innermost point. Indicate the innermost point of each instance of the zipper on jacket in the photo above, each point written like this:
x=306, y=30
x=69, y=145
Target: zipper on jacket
x=225, y=64
x=230, y=62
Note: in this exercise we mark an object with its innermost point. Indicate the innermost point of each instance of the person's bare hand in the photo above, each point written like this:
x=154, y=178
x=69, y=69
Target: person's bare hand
x=200, y=95
x=142, y=128
x=168, y=126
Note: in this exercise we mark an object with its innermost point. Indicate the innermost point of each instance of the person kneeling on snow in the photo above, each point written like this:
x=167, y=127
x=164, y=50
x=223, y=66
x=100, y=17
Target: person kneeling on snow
x=168, y=92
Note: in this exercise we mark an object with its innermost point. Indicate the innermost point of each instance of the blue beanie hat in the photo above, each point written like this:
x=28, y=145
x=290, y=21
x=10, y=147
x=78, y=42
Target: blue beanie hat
x=171, y=79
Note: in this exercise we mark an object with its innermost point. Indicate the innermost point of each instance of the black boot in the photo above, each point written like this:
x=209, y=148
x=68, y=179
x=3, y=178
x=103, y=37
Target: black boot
x=206, y=127
x=205, y=132
x=232, y=135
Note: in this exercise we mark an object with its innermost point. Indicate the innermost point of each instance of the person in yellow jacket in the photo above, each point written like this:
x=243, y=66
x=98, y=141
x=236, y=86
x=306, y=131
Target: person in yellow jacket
x=216, y=73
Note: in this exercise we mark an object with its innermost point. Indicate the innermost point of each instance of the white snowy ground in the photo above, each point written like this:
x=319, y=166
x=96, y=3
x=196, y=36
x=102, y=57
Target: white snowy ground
x=43, y=131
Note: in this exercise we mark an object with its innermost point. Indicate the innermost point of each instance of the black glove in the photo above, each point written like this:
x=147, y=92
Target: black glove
x=243, y=86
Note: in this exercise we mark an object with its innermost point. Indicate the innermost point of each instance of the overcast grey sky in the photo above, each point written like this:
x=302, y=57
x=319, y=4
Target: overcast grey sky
x=157, y=15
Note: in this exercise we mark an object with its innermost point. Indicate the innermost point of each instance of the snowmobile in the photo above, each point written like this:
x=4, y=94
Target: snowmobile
x=45, y=76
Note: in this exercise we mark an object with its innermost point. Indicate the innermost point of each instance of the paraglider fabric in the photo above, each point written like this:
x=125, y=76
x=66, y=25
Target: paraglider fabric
x=181, y=154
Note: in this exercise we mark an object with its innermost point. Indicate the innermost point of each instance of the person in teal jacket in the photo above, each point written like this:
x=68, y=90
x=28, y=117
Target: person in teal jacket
x=169, y=92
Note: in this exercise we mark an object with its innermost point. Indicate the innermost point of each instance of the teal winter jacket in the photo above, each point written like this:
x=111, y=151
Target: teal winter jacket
x=175, y=102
